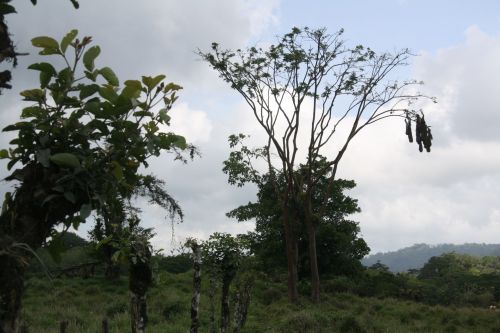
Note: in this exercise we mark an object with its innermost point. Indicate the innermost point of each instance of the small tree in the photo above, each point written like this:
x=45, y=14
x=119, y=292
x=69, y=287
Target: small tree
x=80, y=142
x=340, y=249
x=308, y=85
x=222, y=255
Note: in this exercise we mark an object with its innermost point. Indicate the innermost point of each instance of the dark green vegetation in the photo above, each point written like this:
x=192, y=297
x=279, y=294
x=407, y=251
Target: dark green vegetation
x=452, y=293
x=84, y=302
x=414, y=257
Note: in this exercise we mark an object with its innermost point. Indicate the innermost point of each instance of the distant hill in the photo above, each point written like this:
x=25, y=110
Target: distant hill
x=417, y=255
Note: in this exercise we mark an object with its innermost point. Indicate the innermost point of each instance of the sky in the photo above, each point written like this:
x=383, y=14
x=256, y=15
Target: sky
x=451, y=195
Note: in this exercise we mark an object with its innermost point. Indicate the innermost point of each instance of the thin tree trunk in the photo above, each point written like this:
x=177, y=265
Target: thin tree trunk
x=11, y=293
x=211, y=296
x=313, y=259
x=224, y=310
x=242, y=304
x=138, y=312
x=195, y=301
x=140, y=279
x=291, y=256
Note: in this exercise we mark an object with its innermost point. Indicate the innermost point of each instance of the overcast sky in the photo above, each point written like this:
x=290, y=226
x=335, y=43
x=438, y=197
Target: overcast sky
x=451, y=195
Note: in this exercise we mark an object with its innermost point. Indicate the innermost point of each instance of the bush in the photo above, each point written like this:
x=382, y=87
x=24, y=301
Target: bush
x=351, y=325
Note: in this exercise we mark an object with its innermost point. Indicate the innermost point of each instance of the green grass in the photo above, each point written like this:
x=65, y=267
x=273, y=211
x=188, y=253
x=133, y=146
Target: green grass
x=85, y=302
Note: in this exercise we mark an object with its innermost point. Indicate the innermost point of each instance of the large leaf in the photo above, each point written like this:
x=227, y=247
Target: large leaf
x=85, y=211
x=65, y=160
x=88, y=90
x=45, y=42
x=152, y=82
x=43, y=67
x=6, y=9
x=107, y=92
x=132, y=89
x=89, y=57
x=110, y=76
x=68, y=39
x=4, y=153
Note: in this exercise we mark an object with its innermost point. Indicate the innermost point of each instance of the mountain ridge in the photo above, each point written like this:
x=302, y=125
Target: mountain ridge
x=415, y=256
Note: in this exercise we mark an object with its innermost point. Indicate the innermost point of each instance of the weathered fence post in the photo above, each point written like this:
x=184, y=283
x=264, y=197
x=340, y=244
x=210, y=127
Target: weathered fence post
x=195, y=300
x=63, y=326
x=105, y=327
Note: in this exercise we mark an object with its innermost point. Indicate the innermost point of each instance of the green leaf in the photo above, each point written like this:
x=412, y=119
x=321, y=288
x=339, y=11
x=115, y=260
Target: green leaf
x=44, y=79
x=70, y=196
x=109, y=75
x=6, y=9
x=43, y=67
x=68, y=39
x=49, y=51
x=164, y=117
x=45, y=42
x=65, y=160
x=85, y=211
x=89, y=57
x=43, y=156
x=132, y=89
x=107, y=92
x=100, y=125
x=180, y=142
x=93, y=106
x=65, y=76
x=117, y=170
x=36, y=95
x=91, y=75
x=4, y=153
x=89, y=90
x=171, y=87
x=152, y=82
x=32, y=112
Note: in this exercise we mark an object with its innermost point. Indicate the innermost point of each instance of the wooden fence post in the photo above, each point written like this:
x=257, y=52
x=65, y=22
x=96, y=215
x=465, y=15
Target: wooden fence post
x=105, y=327
x=63, y=326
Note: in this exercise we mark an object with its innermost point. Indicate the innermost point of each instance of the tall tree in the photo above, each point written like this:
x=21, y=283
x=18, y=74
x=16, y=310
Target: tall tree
x=302, y=91
x=81, y=139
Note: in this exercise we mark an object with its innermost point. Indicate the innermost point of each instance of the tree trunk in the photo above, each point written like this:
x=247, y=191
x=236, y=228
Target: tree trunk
x=211, y=297
x=291, y=256
x=242, y=304
x=224, y=309
x=11, y=293
x=140, y=280
x=138, y=312
x=195, y=301
x=313, y=258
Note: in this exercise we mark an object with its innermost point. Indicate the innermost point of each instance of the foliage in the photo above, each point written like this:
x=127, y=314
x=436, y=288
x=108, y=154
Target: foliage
x=86, y=134
x=307, y=85
x=339, y=247
x=84, y=303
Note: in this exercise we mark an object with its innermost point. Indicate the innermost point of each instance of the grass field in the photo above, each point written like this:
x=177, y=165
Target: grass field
x=85, y=302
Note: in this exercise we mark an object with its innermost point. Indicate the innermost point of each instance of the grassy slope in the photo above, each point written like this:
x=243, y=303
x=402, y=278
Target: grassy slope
x=84, y=302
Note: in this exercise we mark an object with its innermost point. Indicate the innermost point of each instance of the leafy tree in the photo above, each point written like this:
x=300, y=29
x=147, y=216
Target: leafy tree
x=301, y=91
x=222, y=257
x=80, y=142
x=339, y=250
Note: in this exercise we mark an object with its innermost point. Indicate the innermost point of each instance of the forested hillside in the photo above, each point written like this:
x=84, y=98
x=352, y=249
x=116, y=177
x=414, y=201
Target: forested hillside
x=414, y=257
